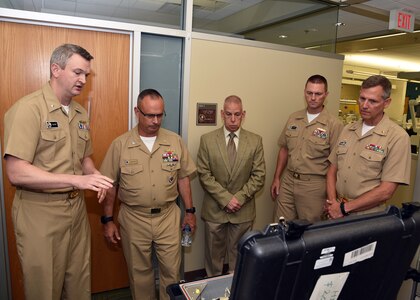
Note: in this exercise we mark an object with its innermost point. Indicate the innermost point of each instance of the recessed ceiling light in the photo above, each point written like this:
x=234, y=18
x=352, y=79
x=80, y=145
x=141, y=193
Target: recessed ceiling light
x=282, y=36
x=338, y=24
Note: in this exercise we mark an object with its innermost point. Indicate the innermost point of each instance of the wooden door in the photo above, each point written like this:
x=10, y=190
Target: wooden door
x=25, y=52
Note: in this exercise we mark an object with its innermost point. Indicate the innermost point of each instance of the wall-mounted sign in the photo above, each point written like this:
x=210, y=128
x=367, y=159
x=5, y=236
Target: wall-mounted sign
x=207, y=114
x=401, y=20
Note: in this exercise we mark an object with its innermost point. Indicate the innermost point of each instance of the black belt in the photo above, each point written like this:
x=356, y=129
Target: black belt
x=155, y=210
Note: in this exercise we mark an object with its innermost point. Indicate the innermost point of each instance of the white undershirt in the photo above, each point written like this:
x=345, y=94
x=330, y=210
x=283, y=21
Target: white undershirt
x=366, y=128
x=148, y=141
x=311, y=117
x=66, y=108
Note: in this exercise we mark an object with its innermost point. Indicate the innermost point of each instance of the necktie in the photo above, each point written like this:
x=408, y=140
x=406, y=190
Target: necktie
x=231, y=149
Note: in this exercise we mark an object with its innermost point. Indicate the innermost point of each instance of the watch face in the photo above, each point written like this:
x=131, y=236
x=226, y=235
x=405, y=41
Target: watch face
x=190, y=210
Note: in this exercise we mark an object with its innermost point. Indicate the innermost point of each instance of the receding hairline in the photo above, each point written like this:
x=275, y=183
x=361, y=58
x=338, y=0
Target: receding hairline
x=233, y=99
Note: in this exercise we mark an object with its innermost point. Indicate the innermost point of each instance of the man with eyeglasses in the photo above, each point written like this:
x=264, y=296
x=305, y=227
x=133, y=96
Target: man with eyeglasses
x=371, y=158
x=150, y=167
x=231, y=168
x=299, y=183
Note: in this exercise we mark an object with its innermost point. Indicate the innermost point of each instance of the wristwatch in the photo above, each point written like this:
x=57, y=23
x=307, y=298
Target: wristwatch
x=190, y=210
x=105, y=219
x=343, y=209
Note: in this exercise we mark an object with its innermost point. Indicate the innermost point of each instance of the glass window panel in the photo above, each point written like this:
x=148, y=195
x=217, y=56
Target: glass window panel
x=300, y=23
x=148, y=12
x=161, y=69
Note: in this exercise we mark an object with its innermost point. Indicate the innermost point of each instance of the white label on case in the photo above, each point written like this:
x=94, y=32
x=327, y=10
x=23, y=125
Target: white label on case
x=328, y=287
x=324, y=261
x=359, y=254
x=328, y=250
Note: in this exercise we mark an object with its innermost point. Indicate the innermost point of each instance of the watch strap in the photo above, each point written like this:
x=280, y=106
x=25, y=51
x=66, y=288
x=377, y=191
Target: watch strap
x=105, y=219
x=343, y=209
x=190, y=210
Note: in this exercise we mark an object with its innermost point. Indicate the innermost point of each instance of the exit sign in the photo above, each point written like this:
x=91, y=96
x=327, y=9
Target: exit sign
x=401, y=20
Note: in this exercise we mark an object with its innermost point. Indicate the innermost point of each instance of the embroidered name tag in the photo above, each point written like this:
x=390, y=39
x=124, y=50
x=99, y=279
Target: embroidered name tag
x=52, y=124
x=131, y=162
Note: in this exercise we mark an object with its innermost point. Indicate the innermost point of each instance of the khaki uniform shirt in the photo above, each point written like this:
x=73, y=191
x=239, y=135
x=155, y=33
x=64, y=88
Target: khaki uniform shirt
x=382, y=154
x=39, y=131
x=147, y=179
x=310, y=144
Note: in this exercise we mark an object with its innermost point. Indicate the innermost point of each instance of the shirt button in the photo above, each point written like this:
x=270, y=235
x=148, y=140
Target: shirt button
x=153, y=184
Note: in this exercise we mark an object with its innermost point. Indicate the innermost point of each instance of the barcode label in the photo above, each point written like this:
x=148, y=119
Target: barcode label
x=359, y=254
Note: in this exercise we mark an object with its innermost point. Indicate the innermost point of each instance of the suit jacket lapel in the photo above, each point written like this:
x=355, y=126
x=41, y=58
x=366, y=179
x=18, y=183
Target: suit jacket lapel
x=240, y=152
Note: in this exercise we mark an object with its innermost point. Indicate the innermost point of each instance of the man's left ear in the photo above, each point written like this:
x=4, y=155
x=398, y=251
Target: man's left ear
x=244, y=113
x=387, y=102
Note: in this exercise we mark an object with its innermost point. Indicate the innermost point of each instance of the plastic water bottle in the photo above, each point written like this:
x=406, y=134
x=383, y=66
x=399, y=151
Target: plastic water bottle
x=186, y=239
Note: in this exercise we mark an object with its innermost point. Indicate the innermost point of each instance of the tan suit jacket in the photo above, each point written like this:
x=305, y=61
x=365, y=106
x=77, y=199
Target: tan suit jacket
x=220, y=183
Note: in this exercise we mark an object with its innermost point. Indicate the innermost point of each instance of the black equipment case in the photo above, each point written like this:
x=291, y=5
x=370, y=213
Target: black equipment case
x=356, y=257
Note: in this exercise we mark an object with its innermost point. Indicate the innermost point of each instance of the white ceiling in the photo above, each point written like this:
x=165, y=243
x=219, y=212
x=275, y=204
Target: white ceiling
x=361, y=18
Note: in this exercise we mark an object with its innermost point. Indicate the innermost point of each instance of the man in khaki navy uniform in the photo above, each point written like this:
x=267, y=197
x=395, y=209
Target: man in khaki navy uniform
x=47, y=148
x=371, y=157
x=230, y=187
x=305, y=144
x=151, y=166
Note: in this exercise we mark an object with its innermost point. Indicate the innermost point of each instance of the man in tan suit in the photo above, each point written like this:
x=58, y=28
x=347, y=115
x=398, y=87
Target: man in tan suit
x=231, y=169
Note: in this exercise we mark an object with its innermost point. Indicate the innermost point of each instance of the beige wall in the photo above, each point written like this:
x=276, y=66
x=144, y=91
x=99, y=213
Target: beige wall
x=270, y=83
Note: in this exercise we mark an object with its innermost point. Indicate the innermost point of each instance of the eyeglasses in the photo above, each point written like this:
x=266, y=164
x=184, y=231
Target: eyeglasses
x=152, y=116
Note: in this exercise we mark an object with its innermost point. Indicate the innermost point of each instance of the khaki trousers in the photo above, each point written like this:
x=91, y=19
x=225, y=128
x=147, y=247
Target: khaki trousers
x=53, y=242
x=140, y=231
x=222, y=239
x=301, y=197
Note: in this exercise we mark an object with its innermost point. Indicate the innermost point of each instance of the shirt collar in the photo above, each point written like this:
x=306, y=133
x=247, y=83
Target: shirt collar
x=227, y=132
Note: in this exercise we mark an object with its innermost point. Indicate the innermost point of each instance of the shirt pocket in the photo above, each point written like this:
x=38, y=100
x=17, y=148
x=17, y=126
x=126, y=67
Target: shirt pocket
x=317, y=147
x=82, y=140
x=371, y=164
x=341, y=155
x=291, y=139
x=52, y=145
x=170, y=173
x=131, y=178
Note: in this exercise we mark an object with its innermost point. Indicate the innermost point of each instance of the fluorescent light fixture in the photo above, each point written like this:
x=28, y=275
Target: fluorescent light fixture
x=382, y=62
x=282, y=36
x=383, y=36
x=364, y=73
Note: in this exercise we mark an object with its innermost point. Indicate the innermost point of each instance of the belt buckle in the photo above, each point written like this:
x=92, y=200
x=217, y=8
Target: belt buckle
x=73, y=194
x=296, y=175
x=155, y=210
